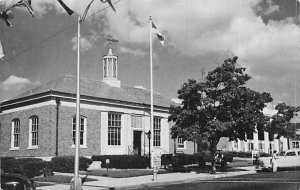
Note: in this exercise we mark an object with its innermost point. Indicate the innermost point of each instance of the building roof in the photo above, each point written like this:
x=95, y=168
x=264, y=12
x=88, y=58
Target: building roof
x=98, y=89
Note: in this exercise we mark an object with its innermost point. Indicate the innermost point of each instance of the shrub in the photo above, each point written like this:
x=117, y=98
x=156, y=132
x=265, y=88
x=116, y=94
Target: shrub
x=190, y=159
x=179, y=159
x=11, y=165
x=33, y=168
x=123, y=161
x=166, y=159
x=238, y=154
x=263, y=154
x=66, y=163
x=29, y=167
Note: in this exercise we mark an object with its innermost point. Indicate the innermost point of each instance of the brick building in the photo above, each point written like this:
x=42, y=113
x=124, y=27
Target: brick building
x=114, y=118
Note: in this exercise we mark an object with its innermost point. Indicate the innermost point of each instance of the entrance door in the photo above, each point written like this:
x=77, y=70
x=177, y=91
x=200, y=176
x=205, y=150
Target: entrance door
x=137, y=145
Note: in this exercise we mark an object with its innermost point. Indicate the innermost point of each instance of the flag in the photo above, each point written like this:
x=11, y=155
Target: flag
x=69, y=11
x=27, y=4
x=7, y=16
x=110, y=4
x=159, y=35
x=1, y=51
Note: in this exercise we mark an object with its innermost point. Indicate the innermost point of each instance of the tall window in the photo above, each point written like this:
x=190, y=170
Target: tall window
x=15, y=133
x=261, y=146
x=295, y=144
x=114, y=129
x=33, y=131
x=82, y=131
x=250, y=146
x=180, y=143
x=236, y=145
x=156, y=131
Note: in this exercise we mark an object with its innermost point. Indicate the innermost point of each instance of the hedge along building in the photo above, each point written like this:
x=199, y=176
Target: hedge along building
x=114, y=119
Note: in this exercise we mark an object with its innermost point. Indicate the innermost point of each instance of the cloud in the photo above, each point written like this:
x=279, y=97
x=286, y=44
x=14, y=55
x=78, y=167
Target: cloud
x=86, y=42
x=13, y=83
x=135, y=52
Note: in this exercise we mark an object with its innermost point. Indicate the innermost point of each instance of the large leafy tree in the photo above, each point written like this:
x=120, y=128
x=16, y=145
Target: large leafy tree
x=219, y=106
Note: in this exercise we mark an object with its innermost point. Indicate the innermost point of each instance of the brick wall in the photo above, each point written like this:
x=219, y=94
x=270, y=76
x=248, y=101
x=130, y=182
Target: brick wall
x=47, y=132
x=46, y=115
x=93, y=131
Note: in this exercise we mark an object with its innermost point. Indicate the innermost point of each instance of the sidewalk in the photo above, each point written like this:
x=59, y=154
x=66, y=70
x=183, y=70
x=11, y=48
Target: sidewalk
x=144, y=181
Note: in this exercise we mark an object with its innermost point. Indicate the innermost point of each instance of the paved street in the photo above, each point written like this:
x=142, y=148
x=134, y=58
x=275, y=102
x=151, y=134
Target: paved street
x=282, y=180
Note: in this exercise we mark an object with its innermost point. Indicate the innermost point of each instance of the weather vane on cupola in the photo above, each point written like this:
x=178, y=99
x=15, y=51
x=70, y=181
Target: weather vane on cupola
x=110, y=41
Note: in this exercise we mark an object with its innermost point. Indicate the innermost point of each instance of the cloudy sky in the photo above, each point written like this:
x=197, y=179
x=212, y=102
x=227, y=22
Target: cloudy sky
x=200, y=35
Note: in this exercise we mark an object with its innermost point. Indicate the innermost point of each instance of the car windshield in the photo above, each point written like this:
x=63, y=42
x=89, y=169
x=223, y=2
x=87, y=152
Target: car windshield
x=281, y=153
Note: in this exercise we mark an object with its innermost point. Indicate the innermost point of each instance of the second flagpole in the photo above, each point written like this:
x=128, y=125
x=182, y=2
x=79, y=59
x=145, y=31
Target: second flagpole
x=151, y=92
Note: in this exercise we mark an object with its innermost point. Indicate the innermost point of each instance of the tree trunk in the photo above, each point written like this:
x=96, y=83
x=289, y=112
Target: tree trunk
x=213, y=150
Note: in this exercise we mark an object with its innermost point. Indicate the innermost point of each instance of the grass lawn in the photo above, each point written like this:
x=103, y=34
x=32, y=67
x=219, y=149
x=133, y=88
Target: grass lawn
x=59, y=179
x=123, y=173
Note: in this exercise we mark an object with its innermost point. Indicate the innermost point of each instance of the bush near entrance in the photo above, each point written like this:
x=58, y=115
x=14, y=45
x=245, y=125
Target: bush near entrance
x=123, y=161
x=66, y=163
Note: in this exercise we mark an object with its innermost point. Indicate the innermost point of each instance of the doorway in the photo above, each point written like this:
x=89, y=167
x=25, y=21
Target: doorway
x=137, y=142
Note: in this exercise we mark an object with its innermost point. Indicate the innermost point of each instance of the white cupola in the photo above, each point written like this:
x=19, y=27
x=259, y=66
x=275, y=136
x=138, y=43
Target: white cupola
x=110, y=69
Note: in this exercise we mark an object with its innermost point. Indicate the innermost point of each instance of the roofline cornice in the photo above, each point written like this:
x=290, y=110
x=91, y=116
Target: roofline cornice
x=51, y=95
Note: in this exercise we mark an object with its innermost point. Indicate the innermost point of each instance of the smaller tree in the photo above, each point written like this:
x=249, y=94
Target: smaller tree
x=280, y=123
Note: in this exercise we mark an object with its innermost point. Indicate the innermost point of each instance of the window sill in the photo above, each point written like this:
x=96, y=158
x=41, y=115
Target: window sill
x=32, y=147
x=81, y=146
x=181, y=148
x=14, y=148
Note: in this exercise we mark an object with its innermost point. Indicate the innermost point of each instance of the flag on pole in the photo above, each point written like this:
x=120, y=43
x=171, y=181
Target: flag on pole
x=7, y=16
x=159, y=35
x=27, y=4
x=1, y=51
x=110, y=4
x=69, y=11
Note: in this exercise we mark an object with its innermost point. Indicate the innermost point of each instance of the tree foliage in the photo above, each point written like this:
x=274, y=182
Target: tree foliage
x=219, y=106
x=222, y=106
x=280, y=123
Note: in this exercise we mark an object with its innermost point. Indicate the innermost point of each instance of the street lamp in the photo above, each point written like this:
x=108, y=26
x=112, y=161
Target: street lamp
x=149, y=137
x=76, y=183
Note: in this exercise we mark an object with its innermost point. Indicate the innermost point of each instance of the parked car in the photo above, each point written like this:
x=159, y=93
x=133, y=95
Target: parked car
x=16, y=182
x=285, y=159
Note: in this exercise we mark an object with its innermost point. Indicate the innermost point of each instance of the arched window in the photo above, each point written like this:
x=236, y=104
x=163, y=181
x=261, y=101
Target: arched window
x=15, y=134
x=33, y=132
x=82, y=131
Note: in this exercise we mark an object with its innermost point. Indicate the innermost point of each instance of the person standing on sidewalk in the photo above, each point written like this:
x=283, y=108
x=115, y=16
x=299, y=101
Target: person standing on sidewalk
x=273, y=161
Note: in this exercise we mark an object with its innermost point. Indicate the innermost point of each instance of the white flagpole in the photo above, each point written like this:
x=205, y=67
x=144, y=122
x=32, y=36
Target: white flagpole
x=151, y=89
x=296, y=11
